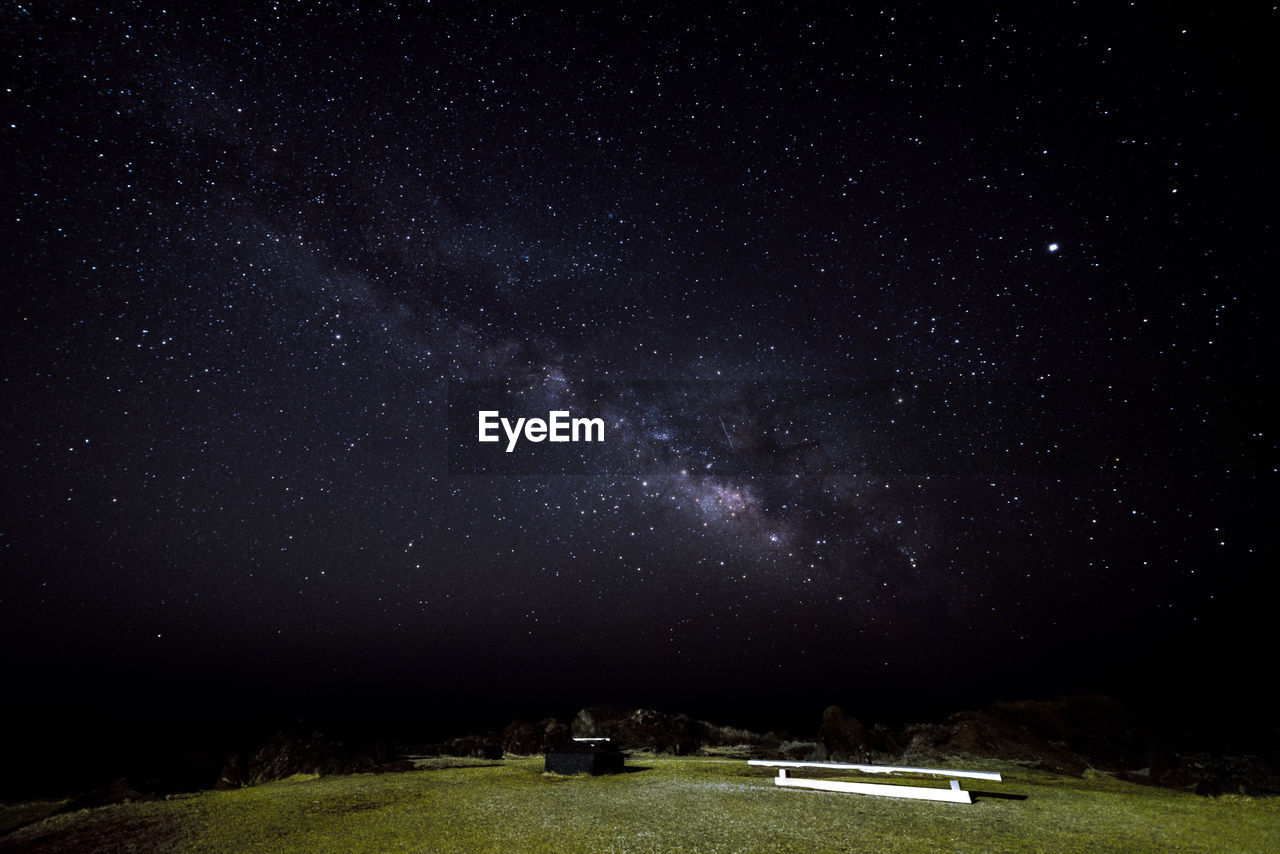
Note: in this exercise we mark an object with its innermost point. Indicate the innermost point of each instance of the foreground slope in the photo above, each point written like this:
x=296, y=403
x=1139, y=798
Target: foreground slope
x=673, y=804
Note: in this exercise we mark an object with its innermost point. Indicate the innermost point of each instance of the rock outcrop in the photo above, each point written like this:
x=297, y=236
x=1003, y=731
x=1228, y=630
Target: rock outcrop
x=306, y=752
x=641, y=729
x=526, y=739
x=1065, y=736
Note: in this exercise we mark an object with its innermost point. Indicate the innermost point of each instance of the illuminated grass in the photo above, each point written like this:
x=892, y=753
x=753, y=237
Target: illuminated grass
x=685, y=804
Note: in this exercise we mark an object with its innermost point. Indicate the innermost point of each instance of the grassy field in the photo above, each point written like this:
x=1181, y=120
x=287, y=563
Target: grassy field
x=687, y=805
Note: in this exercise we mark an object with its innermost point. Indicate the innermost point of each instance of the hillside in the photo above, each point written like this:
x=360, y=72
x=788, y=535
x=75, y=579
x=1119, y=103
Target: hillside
x=664, y=804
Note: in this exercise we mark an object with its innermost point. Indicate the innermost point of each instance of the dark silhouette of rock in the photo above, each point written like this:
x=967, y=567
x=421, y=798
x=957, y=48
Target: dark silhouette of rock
x=487, y=746
x=1211, y=774
x=1065, y=735
x=306, y=752
x=288, y=754
x=1073, y=734
x=526, y=739
x=521, y=739
x=1207, y=788
x=122, y=791
x=641, y=729
x=554, y=734
x=984, y=734
x=663, y=732
x=1093, y=726
x=235, y=773
x=843, y=737
x=882, y=739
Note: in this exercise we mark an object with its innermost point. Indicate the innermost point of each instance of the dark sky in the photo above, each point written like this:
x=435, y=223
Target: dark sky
x=928, y=342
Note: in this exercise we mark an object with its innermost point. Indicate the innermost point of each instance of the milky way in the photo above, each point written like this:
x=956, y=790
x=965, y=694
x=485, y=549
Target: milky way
x=912, y=334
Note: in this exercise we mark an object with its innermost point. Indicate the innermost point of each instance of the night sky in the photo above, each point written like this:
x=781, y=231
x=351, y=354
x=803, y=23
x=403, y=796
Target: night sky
x=928, y=343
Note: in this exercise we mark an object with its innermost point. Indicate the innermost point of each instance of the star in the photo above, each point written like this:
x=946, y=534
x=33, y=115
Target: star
x=246, y=304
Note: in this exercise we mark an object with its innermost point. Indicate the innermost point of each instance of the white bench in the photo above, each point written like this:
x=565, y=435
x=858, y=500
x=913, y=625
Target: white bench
x=954, y=794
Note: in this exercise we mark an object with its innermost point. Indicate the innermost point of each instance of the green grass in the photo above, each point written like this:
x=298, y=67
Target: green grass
x=688, y=805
